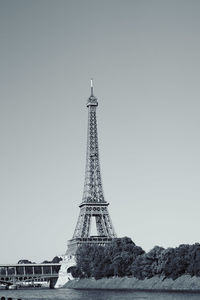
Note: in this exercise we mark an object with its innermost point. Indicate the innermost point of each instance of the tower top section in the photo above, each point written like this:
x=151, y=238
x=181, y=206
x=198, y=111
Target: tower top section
x=92, y=100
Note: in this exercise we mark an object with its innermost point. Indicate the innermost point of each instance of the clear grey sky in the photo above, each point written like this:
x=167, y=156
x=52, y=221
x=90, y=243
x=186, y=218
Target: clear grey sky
x=144, y=57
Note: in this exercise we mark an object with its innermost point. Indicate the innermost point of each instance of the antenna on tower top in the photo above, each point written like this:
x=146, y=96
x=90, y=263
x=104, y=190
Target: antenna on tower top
x=91, y=85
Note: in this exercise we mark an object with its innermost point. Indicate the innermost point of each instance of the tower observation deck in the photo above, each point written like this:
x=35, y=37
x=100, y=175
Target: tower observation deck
x=93, y=205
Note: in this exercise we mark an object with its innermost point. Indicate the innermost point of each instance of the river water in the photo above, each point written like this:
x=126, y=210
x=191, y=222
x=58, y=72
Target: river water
x=69, y=294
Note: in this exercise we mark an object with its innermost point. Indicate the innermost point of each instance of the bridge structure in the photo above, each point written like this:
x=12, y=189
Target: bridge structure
x=19, y=274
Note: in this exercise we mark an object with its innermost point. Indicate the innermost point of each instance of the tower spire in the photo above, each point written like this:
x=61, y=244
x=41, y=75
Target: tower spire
x=91, y=85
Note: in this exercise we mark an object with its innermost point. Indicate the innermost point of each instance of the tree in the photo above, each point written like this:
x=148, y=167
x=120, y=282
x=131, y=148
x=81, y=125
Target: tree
x=147, y=264
x=193, y=265
x=114, y=259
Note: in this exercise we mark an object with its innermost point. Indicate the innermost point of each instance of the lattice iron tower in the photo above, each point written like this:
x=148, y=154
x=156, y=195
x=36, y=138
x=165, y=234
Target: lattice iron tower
x=93, y=203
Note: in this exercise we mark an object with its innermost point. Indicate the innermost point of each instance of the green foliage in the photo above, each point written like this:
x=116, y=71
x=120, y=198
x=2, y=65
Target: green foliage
x=170, y=262
x=56, y=260
x=89, y=259
x=147, y=265
x=122, y=253
x=123, y=258
x=193, y=266
x=24, y=261
x=115, y=259
x=74, y=271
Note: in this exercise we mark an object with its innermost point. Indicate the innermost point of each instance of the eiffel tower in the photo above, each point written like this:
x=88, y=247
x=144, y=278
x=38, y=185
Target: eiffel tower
x=93, y=205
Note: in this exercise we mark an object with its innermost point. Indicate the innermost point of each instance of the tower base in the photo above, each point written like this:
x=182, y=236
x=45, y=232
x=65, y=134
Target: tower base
x=73, y=244
x=64, y=276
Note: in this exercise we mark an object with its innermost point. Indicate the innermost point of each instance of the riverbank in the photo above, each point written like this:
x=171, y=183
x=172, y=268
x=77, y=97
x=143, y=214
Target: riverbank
x=185, y=282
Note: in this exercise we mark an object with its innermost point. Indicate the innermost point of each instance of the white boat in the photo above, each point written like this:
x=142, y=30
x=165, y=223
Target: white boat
x=2, y=287
x=12, y=287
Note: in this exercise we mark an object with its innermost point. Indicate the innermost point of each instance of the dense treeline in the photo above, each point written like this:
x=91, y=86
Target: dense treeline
x=55, y=260
x=115, y=259
x=123, y=258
